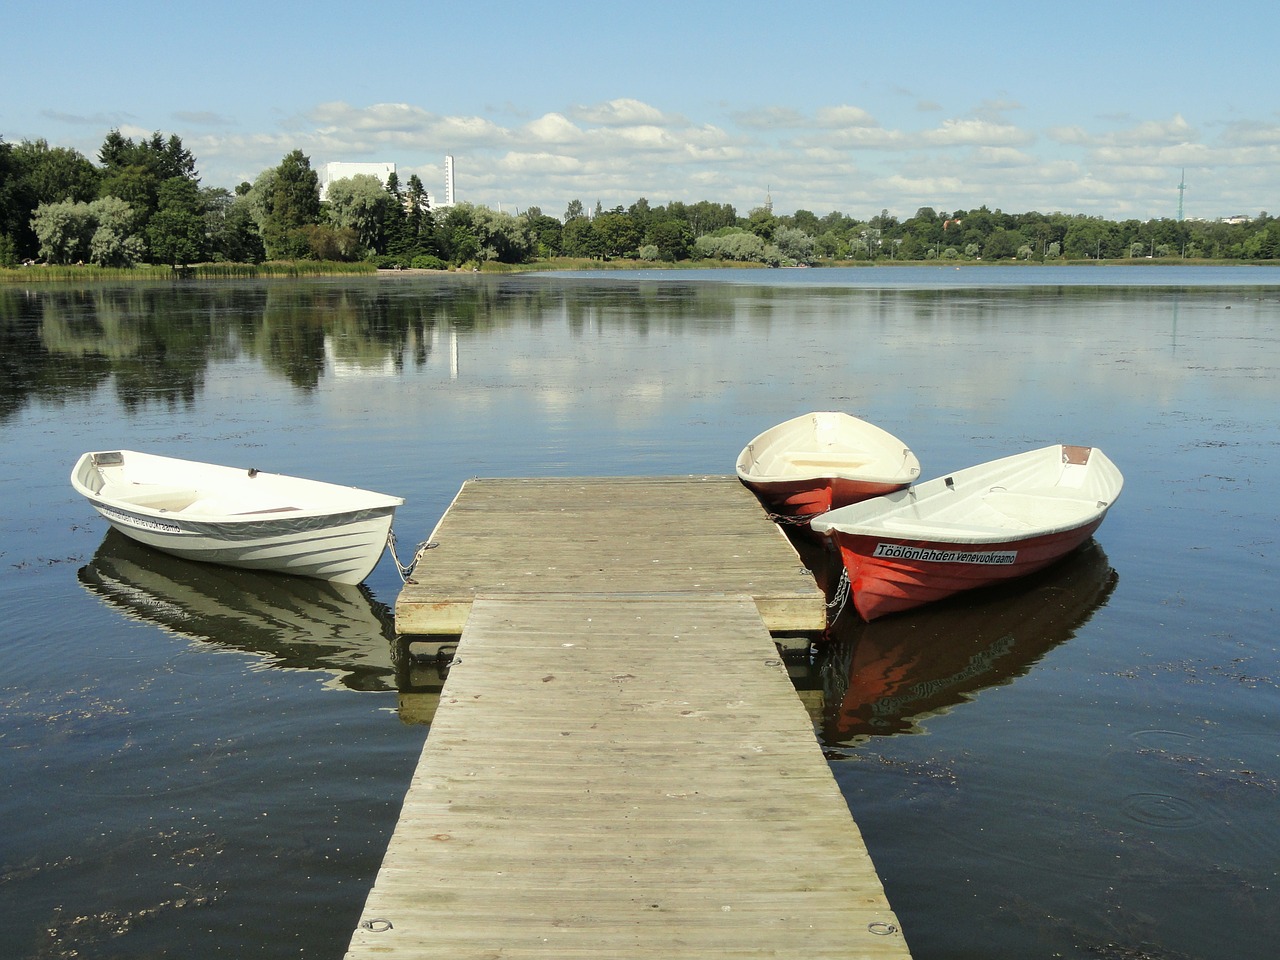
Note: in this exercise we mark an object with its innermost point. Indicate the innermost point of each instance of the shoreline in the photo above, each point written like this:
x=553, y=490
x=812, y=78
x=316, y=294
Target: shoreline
x=44, y=273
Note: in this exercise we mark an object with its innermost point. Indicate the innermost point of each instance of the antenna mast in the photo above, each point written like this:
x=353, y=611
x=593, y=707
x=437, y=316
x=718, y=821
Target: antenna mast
x=1182, y=189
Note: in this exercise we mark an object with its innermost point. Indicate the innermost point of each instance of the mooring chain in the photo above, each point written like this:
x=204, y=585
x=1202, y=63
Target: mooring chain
x=782, y=518
x=839, y=597
x=406, y=569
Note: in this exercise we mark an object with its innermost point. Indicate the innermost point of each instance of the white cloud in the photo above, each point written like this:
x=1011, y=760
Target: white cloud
x=845, y=116
x=553, y=128
x=770, y=118
x=973, y=131
x=1147, y=133
x=829, y=157
x=534, y=164
x=1003, y=157
x=622, y=112
x=1251, y=133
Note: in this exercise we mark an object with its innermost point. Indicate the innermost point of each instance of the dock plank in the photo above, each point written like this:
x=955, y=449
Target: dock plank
x=606, y=535
x=623, y=777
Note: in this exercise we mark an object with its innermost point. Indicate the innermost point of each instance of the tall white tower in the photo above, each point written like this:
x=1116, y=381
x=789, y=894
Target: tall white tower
x=448, y=181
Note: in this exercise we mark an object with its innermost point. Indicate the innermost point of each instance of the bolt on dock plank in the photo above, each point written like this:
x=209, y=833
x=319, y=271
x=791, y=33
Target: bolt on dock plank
x=619, y=765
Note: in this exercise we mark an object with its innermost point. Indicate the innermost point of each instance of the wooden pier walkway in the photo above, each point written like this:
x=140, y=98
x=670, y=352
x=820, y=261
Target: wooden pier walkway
x=609, y=535
x=623, y=775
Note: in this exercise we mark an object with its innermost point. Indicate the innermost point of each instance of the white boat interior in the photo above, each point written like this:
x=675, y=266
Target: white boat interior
x=824, y=444
x=1042, y=491
x=201, y=490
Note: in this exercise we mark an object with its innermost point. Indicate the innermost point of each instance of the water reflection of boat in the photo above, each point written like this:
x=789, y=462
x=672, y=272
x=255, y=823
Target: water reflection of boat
x=881, y=678
x=293, y=622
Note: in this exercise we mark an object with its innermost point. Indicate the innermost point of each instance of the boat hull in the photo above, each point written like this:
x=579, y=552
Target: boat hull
x=889, y=575
x=810, y=497
x=238, y=518
x=343, y=548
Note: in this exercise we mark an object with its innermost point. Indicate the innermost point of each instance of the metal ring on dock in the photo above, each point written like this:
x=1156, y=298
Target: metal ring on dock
x=376, y=925
x=882, y=928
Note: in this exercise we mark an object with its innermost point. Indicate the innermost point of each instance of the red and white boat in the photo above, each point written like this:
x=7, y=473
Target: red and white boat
x=979, y=526
x=821, y=461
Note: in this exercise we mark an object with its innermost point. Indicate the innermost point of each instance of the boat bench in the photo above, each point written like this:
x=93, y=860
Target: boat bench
x=216, y=506
x=924, y=528
x=1051, y=506
x=153, y=496
x=821, y=459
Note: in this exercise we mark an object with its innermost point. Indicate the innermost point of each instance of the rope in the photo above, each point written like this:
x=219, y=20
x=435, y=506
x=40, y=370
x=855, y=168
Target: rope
x=405, y=569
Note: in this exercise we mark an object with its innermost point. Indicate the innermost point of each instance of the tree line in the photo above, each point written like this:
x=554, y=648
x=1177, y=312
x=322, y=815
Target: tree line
x=142, y=202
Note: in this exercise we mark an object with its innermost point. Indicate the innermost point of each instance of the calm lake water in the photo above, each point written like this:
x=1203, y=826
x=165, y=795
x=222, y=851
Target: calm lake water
x=199, y=762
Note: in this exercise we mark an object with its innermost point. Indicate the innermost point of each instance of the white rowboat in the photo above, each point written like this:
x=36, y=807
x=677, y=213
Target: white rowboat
x=238, y=517
x=820, y=461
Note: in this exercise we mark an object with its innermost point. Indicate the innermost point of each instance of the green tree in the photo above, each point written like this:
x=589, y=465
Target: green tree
x=419, y=222
x=578, y=239
x=362, y=204
x=115, y=241
x=134, y=184
x=545, y=232
x=40, y=174
x=793, y=244
x=501, y=236
x=831, y=245
x=63, y=230
x=49, y=174
x=806, y=221
x=736, y=245
x=642, y=216
x=762, y=223
x=1002, y=244
x=707, y=217
x=284, y=199
x=1091, y=238
x=398, y=237
x=11, y=209
x=135, y=171
x=326, y=242
x=616, y=233
x=456, y=236
x=672, y=239
x=176, y=233
x=162, y=158
x=230, y=231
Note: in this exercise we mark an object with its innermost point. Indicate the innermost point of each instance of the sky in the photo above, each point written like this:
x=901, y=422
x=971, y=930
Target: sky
x=1081, y=107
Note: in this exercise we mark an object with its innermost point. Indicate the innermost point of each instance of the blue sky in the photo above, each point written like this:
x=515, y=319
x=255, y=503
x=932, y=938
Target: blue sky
x=1081, y=107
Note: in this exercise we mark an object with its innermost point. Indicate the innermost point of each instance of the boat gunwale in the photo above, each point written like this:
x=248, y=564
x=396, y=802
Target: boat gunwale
x=875, y=515
x=883, y=446
x=368, y=502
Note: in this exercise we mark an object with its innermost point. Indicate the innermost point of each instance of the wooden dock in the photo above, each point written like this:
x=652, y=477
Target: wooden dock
x=623, y=775
x=608, y=535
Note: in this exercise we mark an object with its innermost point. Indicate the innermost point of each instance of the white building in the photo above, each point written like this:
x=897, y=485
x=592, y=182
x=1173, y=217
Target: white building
x=341, y=171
